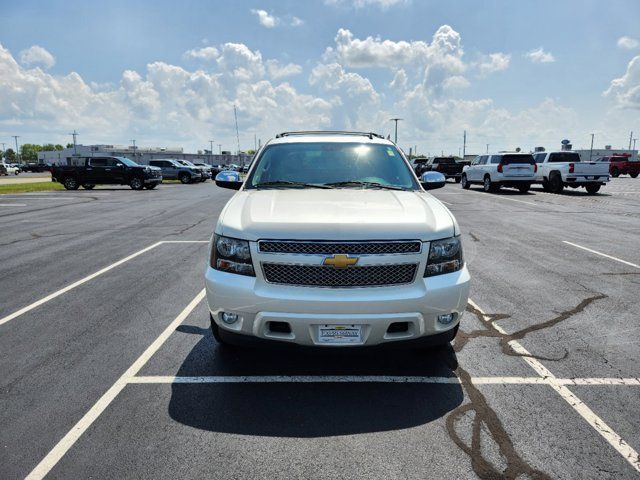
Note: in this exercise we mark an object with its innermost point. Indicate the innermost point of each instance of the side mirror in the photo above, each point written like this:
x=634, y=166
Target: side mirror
x=432, y=180
x=229, y=179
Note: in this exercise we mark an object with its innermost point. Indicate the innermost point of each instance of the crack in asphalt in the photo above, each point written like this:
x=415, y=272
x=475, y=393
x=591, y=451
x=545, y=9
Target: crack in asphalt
x=475, y=239
x=189, y=227
x=483, y=414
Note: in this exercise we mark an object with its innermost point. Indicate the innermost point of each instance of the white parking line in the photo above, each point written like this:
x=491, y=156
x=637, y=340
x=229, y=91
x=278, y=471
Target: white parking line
x=159, y=379
x=57, y=293
x=63, y=446
x=13, y=204
x=599, y=425
x=602, y=254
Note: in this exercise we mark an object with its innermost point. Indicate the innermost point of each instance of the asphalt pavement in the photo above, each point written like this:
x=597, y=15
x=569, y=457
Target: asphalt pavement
x=108, y=368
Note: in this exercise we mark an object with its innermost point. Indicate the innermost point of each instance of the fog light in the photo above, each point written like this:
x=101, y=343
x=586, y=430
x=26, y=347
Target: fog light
x=229, y=318
x=446, y=319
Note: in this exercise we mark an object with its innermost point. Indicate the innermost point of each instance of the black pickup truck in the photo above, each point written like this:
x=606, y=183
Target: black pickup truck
x=448, y=166
x=106, y=171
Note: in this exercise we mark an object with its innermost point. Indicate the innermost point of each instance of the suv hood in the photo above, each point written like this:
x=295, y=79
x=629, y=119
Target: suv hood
x=340, y=214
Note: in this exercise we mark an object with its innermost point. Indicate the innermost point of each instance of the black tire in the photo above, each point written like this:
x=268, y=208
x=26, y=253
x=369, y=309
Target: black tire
x=151, y=186
x=487, y=184
x=464, y=183
x=219, y=335
x=16, y=172
x=633, y=175
x=555, y=184
x=184, y=178
x=545, y=186
x=592, y=189
x=524, y=188
x=136, y=183
x=71, y=183
x=615, y=172
x=88, y=187
x=458, y=179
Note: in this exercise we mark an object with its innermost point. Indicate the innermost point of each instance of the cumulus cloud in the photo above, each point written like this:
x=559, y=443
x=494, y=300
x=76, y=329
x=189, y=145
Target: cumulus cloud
x=277, y=70
x=296, y=22
x=400, y=80
x=265, y=18
x=494, y=62
x=382, y=4
x=628, y=43
x=626, y=89
x=538, y=55
x=37, y=56
x=205, y=53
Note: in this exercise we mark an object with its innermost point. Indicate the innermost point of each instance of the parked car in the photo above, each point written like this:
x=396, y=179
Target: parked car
x=448, y=166
x=557, y=170
x=188, y=164
x=332, y=241
x=208, y=169
x=37, y=167
x=107, y=171
x=173, y=170
x=504, y=169
x=621, y=165
x=418, y=165
x=8, y=169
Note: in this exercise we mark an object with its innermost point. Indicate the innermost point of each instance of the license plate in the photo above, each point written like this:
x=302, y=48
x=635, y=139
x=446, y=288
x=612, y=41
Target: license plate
x=340, y=333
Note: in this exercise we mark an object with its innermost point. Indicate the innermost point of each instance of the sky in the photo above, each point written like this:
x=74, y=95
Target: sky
x=510, y=73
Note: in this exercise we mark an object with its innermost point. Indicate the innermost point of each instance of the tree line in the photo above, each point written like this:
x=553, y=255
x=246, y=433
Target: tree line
x=29, y=152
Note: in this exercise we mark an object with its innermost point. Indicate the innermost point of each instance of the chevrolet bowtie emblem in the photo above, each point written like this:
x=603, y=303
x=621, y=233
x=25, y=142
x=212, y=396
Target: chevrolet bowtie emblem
x=340, y=261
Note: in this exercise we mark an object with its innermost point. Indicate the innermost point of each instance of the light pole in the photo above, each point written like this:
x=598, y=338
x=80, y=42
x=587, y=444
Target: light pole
x=634, y=143
x=220, y=148
x=211, y=152
x=4, y=155
x=16, y=137
x=487, y=148
x=396, y=134
x=134, y=149
x=464, y=144
x=75, y=149
x=591, y=151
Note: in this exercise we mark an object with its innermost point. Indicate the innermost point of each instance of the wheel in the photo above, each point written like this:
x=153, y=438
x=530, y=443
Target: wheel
x=151, y=186
x=555, y=184
x=458, y=179
x=615, y=172
x=634, y=175
x=524, y=188
x=88, y=187
x=592, y=189
x=16, y=172
x=488, y=185
x=70, y=183
x=136, y=183
x=464, y=183
x=545, y=186
x=184, y=178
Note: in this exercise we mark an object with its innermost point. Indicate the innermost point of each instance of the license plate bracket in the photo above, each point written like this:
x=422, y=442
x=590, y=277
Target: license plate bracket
x=339, y=334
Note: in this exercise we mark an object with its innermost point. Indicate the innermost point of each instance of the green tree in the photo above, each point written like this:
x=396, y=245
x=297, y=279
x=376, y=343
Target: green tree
x=69, y=145
x=10, y=155
x=29, y=152
x=48, y=147
x=59, y=147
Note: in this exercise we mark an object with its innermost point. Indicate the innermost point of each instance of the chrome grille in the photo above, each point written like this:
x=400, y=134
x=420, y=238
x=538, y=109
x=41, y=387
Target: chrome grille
x=324, y=276
x=330, y=248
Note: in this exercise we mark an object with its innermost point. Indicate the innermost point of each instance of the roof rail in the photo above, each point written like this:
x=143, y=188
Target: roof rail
x=329, y=132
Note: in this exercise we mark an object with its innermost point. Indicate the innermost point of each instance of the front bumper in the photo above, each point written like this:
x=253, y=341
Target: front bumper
x=305, y=309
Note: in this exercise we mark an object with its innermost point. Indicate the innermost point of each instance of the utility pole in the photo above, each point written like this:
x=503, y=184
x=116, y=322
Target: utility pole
x=630, y=138
x=396, y=134
x=134, y=149
x=255, y=143
x=235, y=114
x=634, y=143
x=16, y=137
x=75, y=148
x=464, y=144
x=487, y=148
x=220, y=148
x=4, y=155
x=211, y=152
x=591, y=151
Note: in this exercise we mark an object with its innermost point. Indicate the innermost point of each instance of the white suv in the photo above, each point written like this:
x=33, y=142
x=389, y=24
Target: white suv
x=332, y=241
x=517, y=170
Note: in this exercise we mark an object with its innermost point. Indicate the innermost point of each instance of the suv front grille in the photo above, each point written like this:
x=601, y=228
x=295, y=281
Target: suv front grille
x=330, y=248
x=324, y=276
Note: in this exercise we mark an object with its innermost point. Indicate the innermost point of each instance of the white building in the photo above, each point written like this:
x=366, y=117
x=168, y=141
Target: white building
x=587, y=154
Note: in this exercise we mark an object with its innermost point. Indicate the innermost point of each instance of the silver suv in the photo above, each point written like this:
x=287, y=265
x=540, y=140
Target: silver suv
x=172, y=170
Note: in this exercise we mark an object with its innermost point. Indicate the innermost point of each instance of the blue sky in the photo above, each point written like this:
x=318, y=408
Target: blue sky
x=449, y=81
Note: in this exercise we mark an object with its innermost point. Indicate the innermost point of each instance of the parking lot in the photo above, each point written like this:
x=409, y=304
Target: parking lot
x=109, y=370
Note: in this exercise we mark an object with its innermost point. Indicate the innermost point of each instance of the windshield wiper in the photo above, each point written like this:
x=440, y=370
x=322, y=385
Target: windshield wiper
x=287, y=183
x=359, y=183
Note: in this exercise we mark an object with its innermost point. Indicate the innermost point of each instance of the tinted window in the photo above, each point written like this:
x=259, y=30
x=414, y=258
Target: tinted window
x=155, y=163
x=539, y=157
x=99, y=162
x=564, y=157
x=332, y=163
x=509, y=159
x=495, y=158
x=444, y=160
x=483, y=160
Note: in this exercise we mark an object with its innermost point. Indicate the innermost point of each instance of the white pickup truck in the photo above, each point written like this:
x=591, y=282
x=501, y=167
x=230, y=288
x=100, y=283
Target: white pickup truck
x=557, y=170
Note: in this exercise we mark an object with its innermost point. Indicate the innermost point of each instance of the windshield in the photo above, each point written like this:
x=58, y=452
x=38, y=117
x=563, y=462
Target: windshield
x=127, y=162
x=344, y=165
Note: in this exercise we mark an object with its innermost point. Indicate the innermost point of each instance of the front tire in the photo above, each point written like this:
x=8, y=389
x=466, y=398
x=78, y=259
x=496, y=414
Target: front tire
x=219, y=335
x=592, y=189
x=555, y=184
x=151, y=186
x=464, y=183
x=487, y=184
x=71, y=183
x=88, y=187
x=136, y=183
x=458, y=179
x=633, y=175
x=524, y=188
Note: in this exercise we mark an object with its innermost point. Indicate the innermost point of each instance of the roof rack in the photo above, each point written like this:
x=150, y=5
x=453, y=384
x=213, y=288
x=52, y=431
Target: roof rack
x=330, y=132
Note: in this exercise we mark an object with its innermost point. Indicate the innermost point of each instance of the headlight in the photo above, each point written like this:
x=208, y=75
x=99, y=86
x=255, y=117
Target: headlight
x=231, y=255
x=445, y=256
